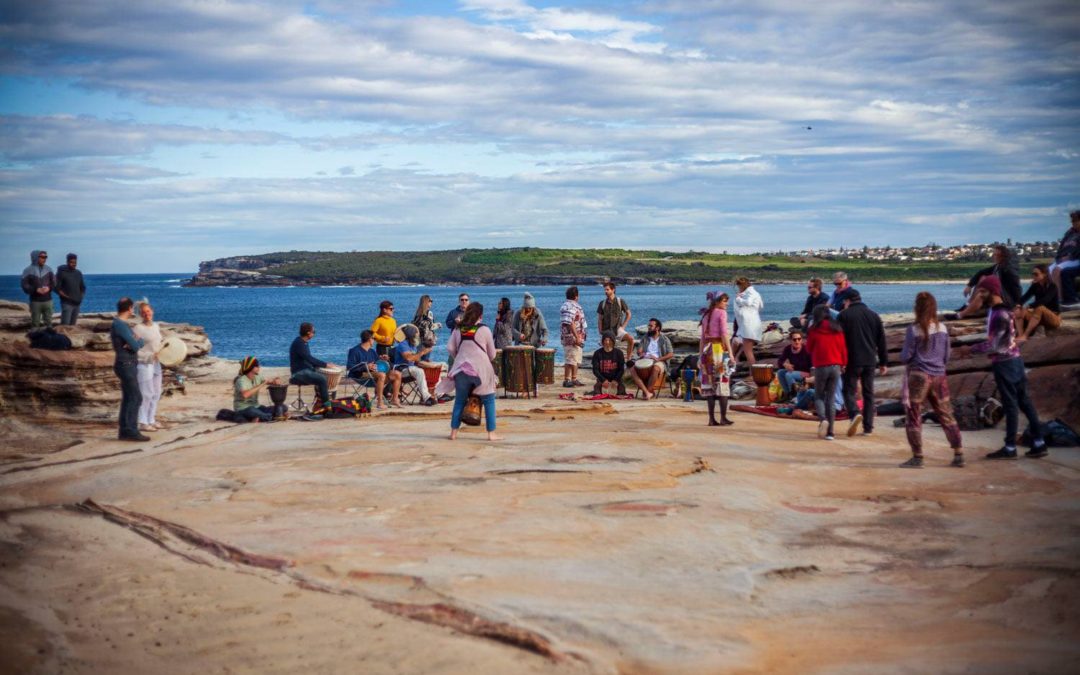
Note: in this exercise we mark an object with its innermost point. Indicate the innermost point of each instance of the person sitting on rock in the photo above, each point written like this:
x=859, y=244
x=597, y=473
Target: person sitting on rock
x=246, y=388
x=1044, y=309
x=608, y=365
x=814, y=297
x=794, y=364
x=655, y=346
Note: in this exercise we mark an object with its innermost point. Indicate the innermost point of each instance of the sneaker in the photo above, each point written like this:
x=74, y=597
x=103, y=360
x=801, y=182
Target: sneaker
x=1071, y=305
x=913, y=463
x=568, y=383
x=577, y=383
x=137, y=438
x=830, y=437
x=1004, y=453
x=870, y=432
x=853, y=427
x=1037, y=451
x=822, y=428
x=430, y=402
x=950, y=316
x=957, y=461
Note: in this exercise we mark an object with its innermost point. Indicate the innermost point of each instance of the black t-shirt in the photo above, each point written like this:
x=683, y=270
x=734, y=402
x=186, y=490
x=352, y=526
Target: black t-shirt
x=608, y=364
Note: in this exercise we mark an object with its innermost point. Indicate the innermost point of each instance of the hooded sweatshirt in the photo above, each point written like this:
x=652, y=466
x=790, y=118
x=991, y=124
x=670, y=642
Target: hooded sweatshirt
x=36, y=276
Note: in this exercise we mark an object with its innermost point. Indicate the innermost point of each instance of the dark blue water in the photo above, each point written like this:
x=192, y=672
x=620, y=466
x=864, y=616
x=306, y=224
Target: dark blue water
x=263, y=321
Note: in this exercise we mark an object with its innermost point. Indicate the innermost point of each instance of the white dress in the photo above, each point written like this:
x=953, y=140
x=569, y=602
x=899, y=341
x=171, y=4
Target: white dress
x=748, y=306
x=148, y=370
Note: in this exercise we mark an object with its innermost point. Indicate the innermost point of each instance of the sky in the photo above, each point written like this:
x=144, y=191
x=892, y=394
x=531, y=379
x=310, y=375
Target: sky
x=148, y=136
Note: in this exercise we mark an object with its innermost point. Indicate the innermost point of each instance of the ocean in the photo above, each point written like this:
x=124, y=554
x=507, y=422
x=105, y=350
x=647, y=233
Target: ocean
x=264, y=321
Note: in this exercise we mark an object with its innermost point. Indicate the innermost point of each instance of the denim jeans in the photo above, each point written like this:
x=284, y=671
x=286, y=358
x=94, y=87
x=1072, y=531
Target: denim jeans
x=263, y=413
x=309, y=376
x=69, y=313
x=463, y=385
x=1012, y=387
x=853, y=376
x=788, y=378
x=130, y=399
x=826, y=381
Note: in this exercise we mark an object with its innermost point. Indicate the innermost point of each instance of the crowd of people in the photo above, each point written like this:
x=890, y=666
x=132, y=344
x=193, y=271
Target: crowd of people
x=836, y=348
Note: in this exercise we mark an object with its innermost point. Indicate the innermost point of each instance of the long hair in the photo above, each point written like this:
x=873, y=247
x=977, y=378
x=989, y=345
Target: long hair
x=527, y=313
x=925, y=313
x=714, y=303
x=422, y=308
x=504, y=312
x=472, y=314
x=823, y=317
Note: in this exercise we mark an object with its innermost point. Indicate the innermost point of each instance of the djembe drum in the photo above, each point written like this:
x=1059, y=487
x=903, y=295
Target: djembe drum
x=278, y=394
x=545, y=365
x=333, y=378
x=432, y=373
x=763, y=375
x=518, y=370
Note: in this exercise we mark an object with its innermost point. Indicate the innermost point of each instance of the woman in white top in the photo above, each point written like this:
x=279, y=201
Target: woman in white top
x=149, y=369
x=748, y=306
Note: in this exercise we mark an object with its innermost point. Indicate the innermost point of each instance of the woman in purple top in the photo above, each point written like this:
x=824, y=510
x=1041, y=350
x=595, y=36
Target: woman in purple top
x=714, y=355
x=473, y=349
x=926, y=353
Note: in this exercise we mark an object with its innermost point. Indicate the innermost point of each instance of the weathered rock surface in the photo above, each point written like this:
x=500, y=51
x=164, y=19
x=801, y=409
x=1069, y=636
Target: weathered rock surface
x=77, y=384
x=627, y=539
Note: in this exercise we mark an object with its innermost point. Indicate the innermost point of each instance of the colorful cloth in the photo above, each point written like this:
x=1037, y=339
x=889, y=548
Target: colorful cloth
x=572, y=324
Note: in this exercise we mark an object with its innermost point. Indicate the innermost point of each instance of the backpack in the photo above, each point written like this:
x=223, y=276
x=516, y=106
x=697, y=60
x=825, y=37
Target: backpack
x=352, y=406
x=48, y=338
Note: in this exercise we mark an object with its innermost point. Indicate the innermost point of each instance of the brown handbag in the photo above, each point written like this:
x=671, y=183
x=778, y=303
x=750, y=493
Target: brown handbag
x=471, y=414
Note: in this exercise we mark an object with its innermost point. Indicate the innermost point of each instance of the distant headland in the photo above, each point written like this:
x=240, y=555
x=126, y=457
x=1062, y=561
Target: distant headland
x=553, y=266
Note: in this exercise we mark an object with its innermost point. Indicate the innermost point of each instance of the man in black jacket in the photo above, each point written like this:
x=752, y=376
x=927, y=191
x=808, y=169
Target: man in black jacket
x=1007, y=270
x=303, y=367
x=814, y=297
x=865, y=338
x=38, y=282
x=71, y=288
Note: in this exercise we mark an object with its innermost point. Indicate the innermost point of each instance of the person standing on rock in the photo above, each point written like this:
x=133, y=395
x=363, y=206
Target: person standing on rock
x=1008, y=369
x=714, y=355
x=748, y=306
x=572, y=335
x=867, y=351
x=127, y=347
x=149, y=368
x=828, y=353
x=926, y=355
x=613, y=315
x=473, y=348
x=71, y=288
x=38, y=282
x=529, y=327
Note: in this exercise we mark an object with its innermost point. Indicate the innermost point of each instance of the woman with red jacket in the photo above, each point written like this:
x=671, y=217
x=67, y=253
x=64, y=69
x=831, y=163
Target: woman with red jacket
x=828, y=355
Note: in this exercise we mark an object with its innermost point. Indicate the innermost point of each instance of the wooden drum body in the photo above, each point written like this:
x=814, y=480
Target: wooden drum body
x=497, y=364
x=763, y=375
x=545, y=366
x=518, y=370
x=432, y=373
x=333, y=378
x=278, y=394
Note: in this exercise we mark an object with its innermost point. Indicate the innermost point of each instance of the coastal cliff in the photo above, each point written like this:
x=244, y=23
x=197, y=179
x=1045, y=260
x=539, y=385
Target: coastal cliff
x=546, y=267
x=77, y=385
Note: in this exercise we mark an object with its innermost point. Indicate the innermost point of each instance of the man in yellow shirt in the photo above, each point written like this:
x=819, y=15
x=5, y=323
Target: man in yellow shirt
x=384, y=327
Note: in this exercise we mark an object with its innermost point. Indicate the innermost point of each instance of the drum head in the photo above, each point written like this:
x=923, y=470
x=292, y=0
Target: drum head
x=382, y=366
x=399, y=336
x=642, y=364
x=173, y=351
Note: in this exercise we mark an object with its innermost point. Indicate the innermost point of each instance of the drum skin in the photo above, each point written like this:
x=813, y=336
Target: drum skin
x=518, y=369
x=333, y=377
x=763, y=373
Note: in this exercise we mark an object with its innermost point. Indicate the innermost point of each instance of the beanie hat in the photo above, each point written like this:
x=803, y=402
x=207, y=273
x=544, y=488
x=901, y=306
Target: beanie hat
x=991, y=284
x=529, y=301
x=247, y=363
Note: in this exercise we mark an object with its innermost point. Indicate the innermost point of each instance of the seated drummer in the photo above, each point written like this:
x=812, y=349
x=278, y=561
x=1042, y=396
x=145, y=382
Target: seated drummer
x=302, y=365
x=655, y=346
x=246, y=388
x=362, y=366
x=608, y=365
x=407, y=357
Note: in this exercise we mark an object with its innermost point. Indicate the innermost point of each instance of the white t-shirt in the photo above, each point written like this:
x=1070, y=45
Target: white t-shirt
x=652, y=350
x=151, y=337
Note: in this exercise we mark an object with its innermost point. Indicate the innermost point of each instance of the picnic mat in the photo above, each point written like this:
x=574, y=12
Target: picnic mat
x=774, y=411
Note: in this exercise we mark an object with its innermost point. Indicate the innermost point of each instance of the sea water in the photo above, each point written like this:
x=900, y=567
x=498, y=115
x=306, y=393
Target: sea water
x=264, y=321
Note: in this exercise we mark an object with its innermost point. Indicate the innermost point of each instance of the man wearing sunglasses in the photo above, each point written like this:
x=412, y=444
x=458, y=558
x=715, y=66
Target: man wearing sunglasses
x=794, y=364
x=38, y=282
x=454, y=317
x=814, y=297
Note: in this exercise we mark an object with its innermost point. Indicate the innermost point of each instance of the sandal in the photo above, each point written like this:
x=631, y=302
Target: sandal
x=957, y=460
x=913, y=463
